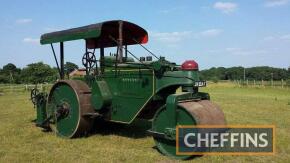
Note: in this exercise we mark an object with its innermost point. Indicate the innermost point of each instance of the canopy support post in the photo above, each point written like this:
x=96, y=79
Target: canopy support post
x=86, y=46
x=97, y=69
x=59, y=72
x=120, y=43
x=126, y=52
x=102, y=58
x=61, y=61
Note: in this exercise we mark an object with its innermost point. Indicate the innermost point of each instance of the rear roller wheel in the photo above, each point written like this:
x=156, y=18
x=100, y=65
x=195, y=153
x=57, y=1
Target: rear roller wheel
x=188, y=113
x=68, y=100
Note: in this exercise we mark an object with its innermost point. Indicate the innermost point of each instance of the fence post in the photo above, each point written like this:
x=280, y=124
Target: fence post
x=272, y=83
x=282, y=82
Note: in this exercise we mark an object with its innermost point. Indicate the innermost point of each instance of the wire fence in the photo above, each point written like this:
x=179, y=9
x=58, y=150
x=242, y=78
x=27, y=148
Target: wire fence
x=263, y=83
x=6, y=88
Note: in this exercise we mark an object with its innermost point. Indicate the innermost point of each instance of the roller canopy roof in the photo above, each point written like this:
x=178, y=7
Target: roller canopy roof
x=100, y=34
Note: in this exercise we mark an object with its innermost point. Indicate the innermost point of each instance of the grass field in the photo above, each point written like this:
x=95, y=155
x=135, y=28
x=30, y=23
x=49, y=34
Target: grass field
x=21, y=141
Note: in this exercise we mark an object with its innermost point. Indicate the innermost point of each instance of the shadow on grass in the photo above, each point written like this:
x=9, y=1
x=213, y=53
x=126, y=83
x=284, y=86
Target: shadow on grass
x=138, y=128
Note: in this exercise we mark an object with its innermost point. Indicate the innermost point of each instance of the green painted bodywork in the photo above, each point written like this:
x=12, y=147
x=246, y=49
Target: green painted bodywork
x=178, y=78
x=125, y=91
x=101, y=95
x=131, y=90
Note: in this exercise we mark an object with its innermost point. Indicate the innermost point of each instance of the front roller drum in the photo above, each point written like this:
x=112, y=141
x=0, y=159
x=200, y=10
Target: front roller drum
x=67, y=102
x=201, y=112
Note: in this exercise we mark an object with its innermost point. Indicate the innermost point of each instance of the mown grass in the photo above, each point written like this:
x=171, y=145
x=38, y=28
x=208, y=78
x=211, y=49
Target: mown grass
x=21, y=141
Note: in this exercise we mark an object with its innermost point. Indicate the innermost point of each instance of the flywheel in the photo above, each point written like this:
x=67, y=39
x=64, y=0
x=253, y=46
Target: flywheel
x=67, y=102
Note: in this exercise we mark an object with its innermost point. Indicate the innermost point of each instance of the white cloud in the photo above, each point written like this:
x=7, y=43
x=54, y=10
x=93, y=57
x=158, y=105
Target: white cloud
x=176, y=37
x=277, y=38
x=171, y=37
x=31, y=40
x=23, y=21
x=172, y=10
x=210, y=33
x=250, y=52
x=240, y=51
x=269, y=38
x=276, y=3
x=164, y=11
x=233, y=49
x=226, y=7
x=285, y=37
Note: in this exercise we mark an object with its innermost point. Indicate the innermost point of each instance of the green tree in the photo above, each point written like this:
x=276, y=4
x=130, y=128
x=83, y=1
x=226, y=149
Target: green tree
x=266, y=73
x=9, y=67
x=235, y=73
x=214, y=74
x=4, y=79
x=289, y=72
x=253, y=73
x=69, y=67
x=10, y=74
x=38, y=73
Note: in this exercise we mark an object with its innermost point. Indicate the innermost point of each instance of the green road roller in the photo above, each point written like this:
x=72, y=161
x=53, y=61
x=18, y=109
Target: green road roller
x=120, y=87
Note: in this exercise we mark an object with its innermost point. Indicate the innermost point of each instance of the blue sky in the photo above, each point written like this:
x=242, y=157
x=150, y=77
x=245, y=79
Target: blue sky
x=214, y=33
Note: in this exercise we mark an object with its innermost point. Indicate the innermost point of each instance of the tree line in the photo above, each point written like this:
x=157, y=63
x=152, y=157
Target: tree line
x=241, y=73
x=43, y=73
x=32, y=73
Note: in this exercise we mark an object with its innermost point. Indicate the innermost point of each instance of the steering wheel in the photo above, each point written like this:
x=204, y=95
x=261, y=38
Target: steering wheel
x=89, y=60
